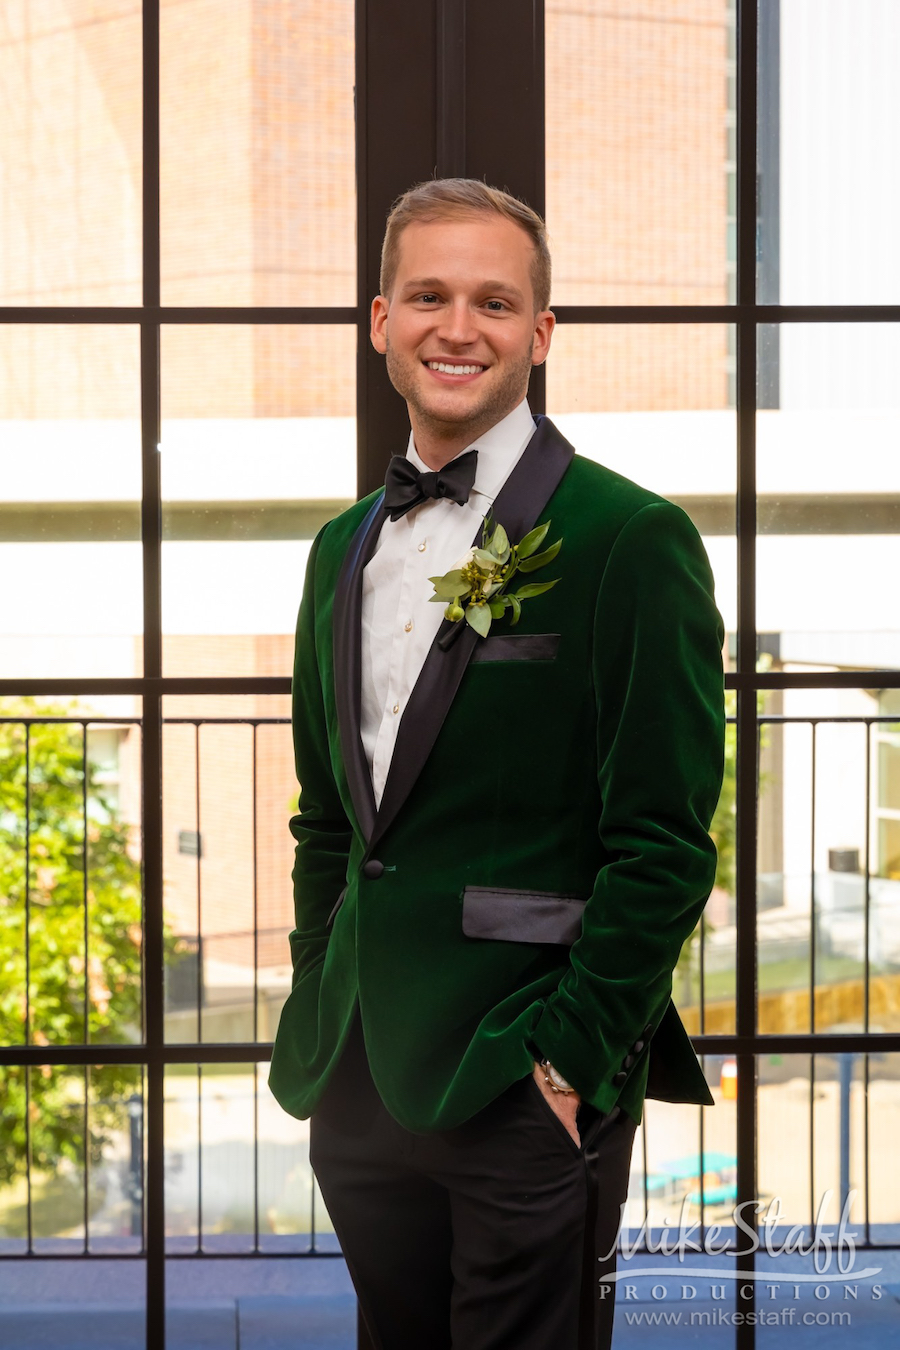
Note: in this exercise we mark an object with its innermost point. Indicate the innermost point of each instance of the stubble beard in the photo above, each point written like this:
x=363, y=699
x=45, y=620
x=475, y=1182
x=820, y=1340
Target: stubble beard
x=499, y=400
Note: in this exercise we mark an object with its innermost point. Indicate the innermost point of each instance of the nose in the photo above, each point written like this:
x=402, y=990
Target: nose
x=457, y=327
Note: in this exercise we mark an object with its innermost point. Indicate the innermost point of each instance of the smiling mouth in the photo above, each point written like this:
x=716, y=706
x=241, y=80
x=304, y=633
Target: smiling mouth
x=455, y=367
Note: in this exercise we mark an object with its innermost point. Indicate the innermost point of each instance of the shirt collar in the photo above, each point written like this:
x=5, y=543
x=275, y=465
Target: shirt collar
x=498, y=450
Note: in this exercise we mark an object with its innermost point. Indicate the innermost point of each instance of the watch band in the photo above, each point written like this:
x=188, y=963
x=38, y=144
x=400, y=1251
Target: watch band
x=554, y=1078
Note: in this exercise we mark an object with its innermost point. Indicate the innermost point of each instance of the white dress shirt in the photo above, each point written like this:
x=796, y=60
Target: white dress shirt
x=398, y=622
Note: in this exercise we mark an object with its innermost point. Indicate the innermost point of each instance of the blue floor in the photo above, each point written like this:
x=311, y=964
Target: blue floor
x=309, y=1305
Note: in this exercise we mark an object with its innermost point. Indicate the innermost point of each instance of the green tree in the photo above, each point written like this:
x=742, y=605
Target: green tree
x=724, y=827
x=78, y=882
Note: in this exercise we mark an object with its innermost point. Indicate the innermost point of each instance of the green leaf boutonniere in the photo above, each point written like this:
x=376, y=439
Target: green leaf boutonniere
x=476, y=588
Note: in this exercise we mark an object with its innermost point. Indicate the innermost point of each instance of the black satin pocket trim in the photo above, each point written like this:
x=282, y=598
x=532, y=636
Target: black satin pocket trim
x=517, y=647
x=505, y=915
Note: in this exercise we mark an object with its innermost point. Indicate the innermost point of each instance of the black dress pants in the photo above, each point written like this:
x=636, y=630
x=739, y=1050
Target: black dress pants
x=490, y=1236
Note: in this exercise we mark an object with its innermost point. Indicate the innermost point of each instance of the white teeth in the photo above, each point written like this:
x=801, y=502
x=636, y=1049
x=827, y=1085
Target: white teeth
x=446, y=369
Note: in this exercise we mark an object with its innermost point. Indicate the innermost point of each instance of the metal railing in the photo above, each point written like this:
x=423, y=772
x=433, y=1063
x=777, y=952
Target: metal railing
x=212, y=1057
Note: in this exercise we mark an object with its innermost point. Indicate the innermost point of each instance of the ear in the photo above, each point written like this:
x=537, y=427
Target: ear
x=377, y=332
x=544, y=324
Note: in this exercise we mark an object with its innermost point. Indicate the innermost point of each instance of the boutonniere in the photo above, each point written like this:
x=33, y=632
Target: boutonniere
x=476, y=588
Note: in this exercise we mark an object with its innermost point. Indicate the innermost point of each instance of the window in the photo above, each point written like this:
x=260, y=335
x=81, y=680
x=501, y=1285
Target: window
x=187, y=392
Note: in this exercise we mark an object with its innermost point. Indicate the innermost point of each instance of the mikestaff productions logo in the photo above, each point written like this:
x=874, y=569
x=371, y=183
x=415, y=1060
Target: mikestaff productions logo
x=832, y=1280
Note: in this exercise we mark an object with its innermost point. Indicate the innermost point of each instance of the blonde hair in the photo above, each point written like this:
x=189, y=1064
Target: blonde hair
x=459, y=199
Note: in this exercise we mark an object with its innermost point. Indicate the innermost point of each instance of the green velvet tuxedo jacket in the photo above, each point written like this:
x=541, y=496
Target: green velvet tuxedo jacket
x=541, y=850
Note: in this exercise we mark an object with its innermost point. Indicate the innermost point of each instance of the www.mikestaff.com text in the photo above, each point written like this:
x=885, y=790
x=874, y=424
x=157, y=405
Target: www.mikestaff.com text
x=724, y=1317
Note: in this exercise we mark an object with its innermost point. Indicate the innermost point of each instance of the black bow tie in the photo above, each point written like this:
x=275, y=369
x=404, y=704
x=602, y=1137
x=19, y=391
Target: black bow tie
x=405, y=486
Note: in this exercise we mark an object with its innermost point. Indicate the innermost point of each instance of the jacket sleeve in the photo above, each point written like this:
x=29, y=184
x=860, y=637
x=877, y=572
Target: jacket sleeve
x=321, y=828
x=657, y=670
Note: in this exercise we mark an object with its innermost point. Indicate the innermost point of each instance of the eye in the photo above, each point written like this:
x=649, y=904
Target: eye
x=429, y=297
x=496, y=306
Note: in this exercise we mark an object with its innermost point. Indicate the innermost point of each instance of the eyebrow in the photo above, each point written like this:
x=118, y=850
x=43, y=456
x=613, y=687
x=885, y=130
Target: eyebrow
x=435, y=283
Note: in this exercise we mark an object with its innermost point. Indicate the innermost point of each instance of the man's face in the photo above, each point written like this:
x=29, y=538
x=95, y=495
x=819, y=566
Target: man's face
x=459, y=330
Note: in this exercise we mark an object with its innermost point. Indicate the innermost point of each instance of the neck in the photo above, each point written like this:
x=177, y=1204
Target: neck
x=438, y=453
x=438, y=442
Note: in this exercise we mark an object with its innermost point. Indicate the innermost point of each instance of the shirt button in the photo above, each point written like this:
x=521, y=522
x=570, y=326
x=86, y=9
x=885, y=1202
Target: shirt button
x=407, y=627
x=396, y=707
x=422, y=546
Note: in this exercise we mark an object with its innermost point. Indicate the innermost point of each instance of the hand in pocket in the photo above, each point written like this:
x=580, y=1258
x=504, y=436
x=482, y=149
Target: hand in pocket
x=563, y=1104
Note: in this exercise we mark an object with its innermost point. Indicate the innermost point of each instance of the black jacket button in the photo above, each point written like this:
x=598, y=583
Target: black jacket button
x=648, y=1031
x=373, y=869
x=619, y=1078
x=627, y=1061
x=638, y=1047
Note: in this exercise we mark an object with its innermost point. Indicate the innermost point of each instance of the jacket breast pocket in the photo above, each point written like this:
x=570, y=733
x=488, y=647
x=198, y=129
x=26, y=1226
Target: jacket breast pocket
x=506, y=915
x=517, y=647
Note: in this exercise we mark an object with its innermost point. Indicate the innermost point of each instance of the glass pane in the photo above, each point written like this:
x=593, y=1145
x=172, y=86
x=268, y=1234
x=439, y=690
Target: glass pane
x=227, y=860
x=70, y=465
x=292, y=1213
x=182, y=1135
x=821, y=877
x=211, y=1188
x=640, y=151
x=13, y=1159
x=228, y=1192
x=237, y=1171
x=258, y=452
x=58, y=1179
x=71, y=150
x=71, y=866
x=783, y=1106
x=257, y=153
x=814, y=1120
x=784, y=918
x=829, y=138
x=889, y=769
x=651, y=402
x=704, y=981
x=840, y=882
x=829, y=484
x=116, y=1170
x=677, y=1174
x=884, y=1164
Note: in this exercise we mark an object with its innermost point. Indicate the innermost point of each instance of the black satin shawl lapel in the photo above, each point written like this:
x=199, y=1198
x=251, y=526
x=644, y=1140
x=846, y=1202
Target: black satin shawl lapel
x=347, y=631
x=518, y=504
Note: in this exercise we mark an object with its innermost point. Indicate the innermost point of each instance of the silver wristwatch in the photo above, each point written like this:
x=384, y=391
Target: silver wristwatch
x=555, y=1078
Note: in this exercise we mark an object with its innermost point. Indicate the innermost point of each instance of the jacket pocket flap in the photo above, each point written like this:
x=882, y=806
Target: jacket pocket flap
x=521, y=916
x=517, y=647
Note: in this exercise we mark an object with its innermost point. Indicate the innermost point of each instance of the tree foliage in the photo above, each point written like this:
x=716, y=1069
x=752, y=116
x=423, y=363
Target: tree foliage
x=70, y=933
x=724, y=823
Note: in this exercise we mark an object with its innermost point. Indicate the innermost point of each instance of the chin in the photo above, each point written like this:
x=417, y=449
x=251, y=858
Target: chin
x=451, y=413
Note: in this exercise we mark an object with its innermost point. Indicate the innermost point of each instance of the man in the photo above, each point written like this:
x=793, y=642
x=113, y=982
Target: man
x=502, y=840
